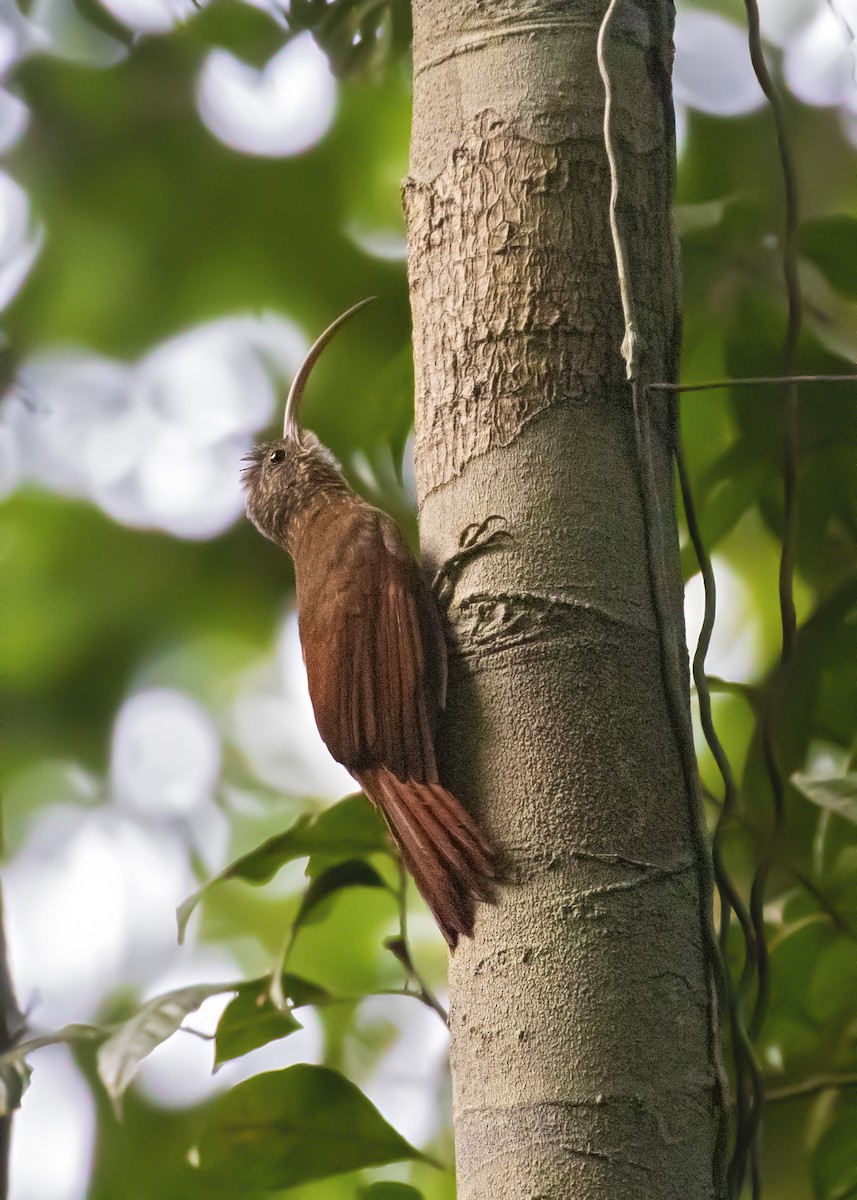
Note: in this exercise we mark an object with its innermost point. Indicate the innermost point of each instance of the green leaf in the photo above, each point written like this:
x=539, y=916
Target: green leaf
x=353, y=873
x=692, y=218
x=834, y=1165
x=833, y=994
x=349, y=828
x=297, y=990
x=93, y=12
x=357, y=35
x=829, y=242
x=390, y=1191
x=251, y=34
x=835, y=793
x=795, y=953
x=729, y=489
x=252, y=1020
x=14, y=1081
x=120, y=1056
x=284, y=1128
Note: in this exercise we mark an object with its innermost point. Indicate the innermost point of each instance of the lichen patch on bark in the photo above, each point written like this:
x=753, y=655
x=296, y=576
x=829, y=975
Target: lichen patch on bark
x=491, y=241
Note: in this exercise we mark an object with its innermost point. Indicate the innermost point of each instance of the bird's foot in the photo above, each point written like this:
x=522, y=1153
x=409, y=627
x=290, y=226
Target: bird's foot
x=476, y=538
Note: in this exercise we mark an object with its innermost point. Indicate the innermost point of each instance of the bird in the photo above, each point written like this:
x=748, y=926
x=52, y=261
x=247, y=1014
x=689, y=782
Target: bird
x=375, y=652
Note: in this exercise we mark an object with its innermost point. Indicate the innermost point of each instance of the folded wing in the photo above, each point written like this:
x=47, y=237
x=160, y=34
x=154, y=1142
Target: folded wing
x=376, y=664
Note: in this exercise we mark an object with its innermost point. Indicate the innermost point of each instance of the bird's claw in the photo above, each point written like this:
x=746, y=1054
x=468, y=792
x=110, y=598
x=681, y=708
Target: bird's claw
x=475, y=539
x=480, y=535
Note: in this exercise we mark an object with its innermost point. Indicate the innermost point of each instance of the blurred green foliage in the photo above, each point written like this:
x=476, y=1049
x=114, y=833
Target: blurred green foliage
x=151, y=226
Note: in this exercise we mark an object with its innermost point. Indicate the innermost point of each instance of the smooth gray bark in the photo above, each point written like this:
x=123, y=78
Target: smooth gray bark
x=580, y=1013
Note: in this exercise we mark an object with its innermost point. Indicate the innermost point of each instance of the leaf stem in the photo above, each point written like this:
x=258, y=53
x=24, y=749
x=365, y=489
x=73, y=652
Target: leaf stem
x=279, y=999
x=12, y=1025
x=399, y=947
x=811, y=1086
x=423, y=992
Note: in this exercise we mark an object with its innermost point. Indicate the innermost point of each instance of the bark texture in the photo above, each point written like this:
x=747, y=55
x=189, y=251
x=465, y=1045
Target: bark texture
x=580, y=1012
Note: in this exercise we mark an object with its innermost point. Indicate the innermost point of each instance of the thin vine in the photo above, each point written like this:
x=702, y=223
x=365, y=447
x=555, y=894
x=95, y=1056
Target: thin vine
x=749, y=1083
x=755, y=973
x=788, y=616
x=633, y=349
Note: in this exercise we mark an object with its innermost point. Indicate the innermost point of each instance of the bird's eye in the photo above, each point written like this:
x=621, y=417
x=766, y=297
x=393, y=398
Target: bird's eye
x=277, y=456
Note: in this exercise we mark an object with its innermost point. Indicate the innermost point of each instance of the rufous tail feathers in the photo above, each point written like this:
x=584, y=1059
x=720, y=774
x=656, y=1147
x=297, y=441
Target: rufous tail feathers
x=450, y=859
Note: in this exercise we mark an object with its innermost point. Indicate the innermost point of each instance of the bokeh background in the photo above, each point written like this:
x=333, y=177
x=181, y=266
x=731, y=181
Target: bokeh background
x=190, y=192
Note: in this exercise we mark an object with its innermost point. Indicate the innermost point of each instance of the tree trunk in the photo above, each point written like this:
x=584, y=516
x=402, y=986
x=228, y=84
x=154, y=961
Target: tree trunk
x=582, y=1055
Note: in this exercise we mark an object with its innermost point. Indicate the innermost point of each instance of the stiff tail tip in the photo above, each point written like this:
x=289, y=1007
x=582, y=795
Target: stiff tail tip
x=451, y=861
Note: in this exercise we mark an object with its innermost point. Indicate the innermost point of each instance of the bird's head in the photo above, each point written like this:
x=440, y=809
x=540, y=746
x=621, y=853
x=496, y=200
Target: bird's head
x=282, y=476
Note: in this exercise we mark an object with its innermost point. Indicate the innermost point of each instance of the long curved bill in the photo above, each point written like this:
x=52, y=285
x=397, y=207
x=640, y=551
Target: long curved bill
x=291, y=426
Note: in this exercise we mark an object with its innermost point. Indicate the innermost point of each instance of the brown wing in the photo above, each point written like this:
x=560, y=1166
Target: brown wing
x=376, y=663
x=372, y=643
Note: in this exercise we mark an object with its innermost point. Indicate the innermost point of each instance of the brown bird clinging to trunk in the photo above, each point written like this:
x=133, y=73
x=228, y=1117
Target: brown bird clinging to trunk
x=375, y=655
